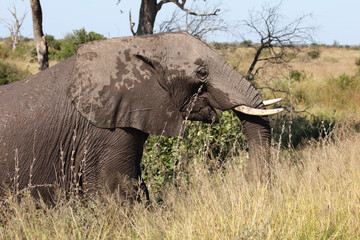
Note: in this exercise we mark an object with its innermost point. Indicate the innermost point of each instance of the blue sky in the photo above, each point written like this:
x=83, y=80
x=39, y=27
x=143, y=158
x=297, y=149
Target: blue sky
x=334, y=19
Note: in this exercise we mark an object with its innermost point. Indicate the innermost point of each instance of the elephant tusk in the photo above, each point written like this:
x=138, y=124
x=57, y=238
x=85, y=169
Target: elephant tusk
x=257, y=112
x=271, y=101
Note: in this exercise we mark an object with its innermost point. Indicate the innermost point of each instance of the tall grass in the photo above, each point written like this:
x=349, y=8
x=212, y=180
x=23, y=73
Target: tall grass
x=315, y=195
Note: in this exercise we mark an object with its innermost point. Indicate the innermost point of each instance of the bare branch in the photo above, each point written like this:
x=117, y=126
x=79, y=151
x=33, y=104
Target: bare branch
x=132, y=24
x=14, y=26
x=181, y=5
x=195, y=25
x=274, y=36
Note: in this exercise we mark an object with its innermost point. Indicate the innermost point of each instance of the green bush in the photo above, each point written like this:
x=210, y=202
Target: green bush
x=313, y=54
x=357, y=62
x=11, y=73
x=246, y=43
x=4, y=52
x=62, y=49
x=54, y=46
x=164, y=156
x=71, y=41
x=302, y=129
x=297, y=75
x=53, y=43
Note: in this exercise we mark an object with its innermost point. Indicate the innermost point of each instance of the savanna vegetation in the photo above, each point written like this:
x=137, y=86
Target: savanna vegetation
x=196, y=182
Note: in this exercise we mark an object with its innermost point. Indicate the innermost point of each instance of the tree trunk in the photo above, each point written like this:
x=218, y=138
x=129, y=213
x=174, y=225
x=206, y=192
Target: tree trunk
x=147, y=15
x=14, y=40
x=39, y=38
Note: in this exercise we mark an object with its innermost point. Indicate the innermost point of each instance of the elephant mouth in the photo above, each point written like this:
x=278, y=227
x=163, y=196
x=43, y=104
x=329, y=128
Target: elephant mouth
x=200, y=110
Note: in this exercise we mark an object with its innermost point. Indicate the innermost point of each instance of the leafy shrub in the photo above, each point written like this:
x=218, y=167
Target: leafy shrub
x=302, y=129
x=164, y=156
x=53, y=43
x=4, y=52
x=71, y=41
x=313, y=54
x=11, y=73
x=54, y=46
x=62, y=49
x=246, y=43
x=357, y=62
x=297, y=75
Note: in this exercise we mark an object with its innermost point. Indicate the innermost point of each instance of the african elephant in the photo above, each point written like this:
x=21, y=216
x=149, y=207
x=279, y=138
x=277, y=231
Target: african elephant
x=88, y=117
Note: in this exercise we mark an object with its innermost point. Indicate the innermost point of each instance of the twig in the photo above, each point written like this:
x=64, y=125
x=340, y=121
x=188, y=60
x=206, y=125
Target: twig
x=182, y=7
x=131, y=24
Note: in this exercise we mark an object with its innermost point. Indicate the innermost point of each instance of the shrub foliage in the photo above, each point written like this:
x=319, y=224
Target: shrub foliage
x=11, y=73
x=62, y=49
x=313, y=54
x=165, y=157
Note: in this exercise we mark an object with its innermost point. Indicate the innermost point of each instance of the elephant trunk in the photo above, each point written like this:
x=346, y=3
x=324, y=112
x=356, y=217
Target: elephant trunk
x=257, y=128
x=258, y=136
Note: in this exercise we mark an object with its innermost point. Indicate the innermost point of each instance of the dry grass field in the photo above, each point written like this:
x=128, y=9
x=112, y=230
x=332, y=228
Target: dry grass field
x=318, y=198
x=326, y=85
x=315, y=194
x=332, y=61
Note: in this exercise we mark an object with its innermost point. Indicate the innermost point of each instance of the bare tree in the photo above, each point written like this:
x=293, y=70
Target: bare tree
x=149, y=10
x=14, y=26
x=274, y=36
x=198, y=26
x=39, y=37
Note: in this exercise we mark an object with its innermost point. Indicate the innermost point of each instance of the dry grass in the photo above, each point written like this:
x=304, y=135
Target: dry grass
x=332, y=62
x=319, y=90
x=315, y=196
x=31, y=66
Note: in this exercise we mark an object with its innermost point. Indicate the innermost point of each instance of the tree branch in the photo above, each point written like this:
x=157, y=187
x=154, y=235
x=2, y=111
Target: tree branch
x=181, y=5
x=274, y=37
x=198, y=26
x=14, y=26
x=132, y=24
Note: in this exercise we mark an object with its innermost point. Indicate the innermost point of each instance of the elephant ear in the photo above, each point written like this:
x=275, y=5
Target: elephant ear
x=115, y=87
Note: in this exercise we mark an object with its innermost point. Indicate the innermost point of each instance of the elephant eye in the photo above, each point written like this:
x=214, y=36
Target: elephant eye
x=202, y=73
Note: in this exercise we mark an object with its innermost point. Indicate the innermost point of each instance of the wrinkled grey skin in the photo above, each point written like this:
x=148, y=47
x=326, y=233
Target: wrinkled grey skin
x=90, y=115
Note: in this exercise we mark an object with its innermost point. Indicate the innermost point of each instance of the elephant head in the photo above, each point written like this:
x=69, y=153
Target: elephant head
x=154, y=83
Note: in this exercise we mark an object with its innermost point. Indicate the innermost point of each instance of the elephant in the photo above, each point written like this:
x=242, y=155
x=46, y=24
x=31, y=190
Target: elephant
x=87, y=118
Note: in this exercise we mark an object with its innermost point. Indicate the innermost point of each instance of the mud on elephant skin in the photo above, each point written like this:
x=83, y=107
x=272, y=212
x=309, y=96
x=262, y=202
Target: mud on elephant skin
x=86, y=119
